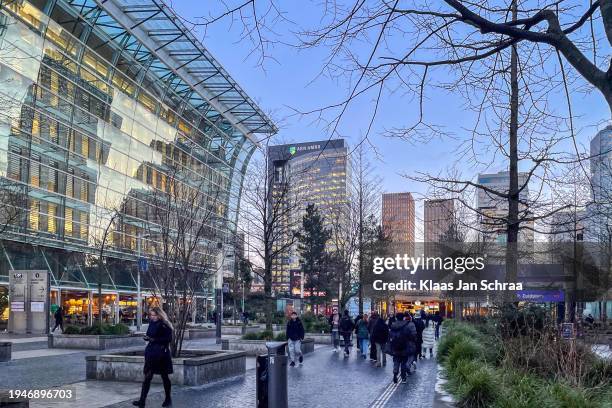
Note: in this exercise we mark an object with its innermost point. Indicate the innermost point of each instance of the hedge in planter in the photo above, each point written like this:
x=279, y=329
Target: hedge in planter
x=97, y=329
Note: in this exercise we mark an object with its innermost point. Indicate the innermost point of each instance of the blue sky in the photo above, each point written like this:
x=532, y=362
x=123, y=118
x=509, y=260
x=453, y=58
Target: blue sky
x=291, y=81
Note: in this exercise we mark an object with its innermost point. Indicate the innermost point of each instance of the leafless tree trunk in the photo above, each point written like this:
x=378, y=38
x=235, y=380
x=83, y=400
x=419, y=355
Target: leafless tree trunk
x=268, y=208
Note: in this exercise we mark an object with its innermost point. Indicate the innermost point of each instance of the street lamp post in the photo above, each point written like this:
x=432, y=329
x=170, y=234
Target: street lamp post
x=138, y=294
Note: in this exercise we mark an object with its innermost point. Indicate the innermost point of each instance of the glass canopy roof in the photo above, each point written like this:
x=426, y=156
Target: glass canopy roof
x=165, y=37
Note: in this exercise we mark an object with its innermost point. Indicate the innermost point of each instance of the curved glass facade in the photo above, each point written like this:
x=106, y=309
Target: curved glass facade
x=100, y=102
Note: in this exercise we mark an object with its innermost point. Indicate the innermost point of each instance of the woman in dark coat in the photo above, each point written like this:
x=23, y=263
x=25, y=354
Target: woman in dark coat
x=158, y=359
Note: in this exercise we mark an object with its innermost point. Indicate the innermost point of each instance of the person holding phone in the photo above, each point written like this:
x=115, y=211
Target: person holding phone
x=158, y=359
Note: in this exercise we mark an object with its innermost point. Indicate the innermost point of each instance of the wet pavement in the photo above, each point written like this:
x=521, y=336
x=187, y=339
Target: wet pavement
x=326, y=379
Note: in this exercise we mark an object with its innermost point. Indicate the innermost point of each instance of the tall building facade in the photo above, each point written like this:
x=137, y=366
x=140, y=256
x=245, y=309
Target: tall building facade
x=494, y=209
x=438, y=219
x=600, y=210
x=398, y=217
x=307, y=173
x=107, y=105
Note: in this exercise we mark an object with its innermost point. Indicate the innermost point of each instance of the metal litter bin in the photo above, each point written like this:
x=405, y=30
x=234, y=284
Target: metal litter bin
x=271, y=373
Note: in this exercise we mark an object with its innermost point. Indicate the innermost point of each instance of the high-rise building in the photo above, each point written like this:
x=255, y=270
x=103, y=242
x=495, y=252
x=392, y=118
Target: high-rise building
x=311, y=173
x=105, y=105
x=398, y=217
x=438, y=219
x=494, y=209
x=600, y=210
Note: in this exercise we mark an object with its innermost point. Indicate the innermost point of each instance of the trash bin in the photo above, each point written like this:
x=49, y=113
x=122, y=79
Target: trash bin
x=271, y=373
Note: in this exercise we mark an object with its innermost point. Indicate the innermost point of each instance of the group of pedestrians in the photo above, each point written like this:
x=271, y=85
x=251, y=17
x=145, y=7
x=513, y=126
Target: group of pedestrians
x=406, y=337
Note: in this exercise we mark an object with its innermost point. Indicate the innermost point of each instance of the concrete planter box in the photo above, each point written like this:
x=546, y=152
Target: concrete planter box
x=5, y=351
x=94, y=342
x=257, y=347
x=240, y=330
x=201, y=367
x=193, y=333
x=320, y=338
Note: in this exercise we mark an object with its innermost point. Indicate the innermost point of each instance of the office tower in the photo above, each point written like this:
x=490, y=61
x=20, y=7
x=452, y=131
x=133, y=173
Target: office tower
x=398, y=217
x=600, y=210
x=312, y=173
x=438, y=219
x=494, y=209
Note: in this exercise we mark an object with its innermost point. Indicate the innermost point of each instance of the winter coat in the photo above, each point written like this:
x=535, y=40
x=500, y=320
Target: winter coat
x=362, y=330
x=429, y=336
x=380, y=332
x=402, y=338
x=59, y=316
x=334, y=326
x=371, y=324
x=346, y=325
x=157, y=353
x=295, y=330
x=419, y=324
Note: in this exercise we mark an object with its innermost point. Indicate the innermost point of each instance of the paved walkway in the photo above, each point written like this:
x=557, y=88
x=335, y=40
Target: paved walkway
x=326, y=379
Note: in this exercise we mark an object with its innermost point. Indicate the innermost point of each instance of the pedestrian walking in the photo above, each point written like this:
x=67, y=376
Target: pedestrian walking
x=402, y=346
x=391, y=319
x=357, y=319
x=334, y=323
x=346, y=327
x=59, y=319
x=158, y=359
x=428, y=338
x=295, y=335
x=371, y=324
x=438, y=320
x=363, y=335
x=379, y=337
x=419, y=324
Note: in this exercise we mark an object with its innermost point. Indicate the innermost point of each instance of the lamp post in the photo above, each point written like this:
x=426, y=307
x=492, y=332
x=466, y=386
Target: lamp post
x=138, y=294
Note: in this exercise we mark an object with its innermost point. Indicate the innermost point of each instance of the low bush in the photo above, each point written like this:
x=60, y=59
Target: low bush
x=72, y=330
x=263, y=335
x=479, y=388
x=281, y=337
x=465, y=349
x=564, y=396
x=99, y=329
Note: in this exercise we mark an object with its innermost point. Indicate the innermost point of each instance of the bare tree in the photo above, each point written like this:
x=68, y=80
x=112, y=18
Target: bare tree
x=269, y=209
x=183, y=239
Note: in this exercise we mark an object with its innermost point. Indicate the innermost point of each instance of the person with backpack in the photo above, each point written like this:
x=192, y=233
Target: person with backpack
x=402, y=346
x=379, y=337
x=295, y=335
x=346, y=327
x=428, y=338
x=363, y=335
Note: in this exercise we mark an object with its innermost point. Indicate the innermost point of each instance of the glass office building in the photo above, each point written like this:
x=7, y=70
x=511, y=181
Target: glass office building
x=100, y=99
x=313, y=173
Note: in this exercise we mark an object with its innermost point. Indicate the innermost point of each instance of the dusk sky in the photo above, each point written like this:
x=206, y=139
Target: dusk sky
x=291, y=80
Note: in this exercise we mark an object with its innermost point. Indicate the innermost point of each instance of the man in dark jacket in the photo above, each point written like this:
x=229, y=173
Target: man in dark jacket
x=346, y=327
x=402, y=337
x=419, y=324
x=379, y=337
x=295, y=335
x=59, y=319
x=371, y=323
